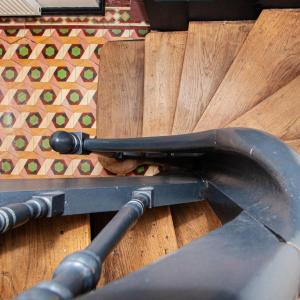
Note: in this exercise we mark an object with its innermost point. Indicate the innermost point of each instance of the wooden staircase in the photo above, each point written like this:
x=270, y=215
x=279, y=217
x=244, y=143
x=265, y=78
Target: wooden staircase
x=218, y=74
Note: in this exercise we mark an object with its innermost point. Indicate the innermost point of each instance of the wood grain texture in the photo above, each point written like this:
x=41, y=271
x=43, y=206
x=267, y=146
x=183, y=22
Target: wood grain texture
x=268, y=60
x=164, y=52
x=211, y=49
x=279, y=114
x=30, y=254
x=120, y=114
x=196, y=220
x=152, y=237
x=120, y=96
x=294, y=144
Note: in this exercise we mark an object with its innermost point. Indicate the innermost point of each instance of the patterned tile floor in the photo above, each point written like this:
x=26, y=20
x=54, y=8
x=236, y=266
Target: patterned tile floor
x=48, y=81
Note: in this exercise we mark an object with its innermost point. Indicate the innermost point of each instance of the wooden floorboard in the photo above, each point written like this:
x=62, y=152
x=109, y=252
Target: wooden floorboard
x=120, y=96
x=120, y=114
x=31, y=253
x=267, y=61
x=211, y=49
x=164, y=52
x=279, y=114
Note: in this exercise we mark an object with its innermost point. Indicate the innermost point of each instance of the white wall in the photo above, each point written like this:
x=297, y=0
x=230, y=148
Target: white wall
x=68, y=3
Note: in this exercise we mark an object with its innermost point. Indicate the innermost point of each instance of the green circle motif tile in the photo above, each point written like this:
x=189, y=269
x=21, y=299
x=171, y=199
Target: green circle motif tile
x=85, y=167
x=62, y=73
x=60, y=120
x=21, y=96
x=32, y=166
x=45, y=143
x=7, y=120
x=88, y=74
x=86, y=120
x=34, y=120
x=89, y=31
x=20, y=143
x=36, y=73
x=74, y=97
x=76, y=51
x=11, y=32
x=59, y=167
x=9, y=74
x=50, y=51
x=6, y=166
x=63, y=31
x=2, y=51
x=37, y=31
x=48, y=97
x=23, y=51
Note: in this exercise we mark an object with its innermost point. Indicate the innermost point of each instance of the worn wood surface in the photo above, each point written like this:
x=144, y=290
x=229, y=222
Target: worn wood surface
x=211, y=49
x=164, y=52
x=279, y=114
x=268, y=60
x=30, y=254
x=120, y=96
x=295, y=144
x=152, y=237
x=120, y=114
x=193, y=221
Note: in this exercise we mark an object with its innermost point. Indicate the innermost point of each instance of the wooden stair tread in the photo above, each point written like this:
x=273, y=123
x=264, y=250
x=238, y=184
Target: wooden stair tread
x=192, y=221
x=268, y=60
x=211, y=49
x=279, y=114
x=120, y=114
x=120, y=96
x=295, y=144
x=164, y=52
x=31, y=253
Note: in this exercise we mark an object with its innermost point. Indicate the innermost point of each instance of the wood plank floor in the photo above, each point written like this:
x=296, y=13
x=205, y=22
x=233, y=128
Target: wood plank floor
x=120, y=115
x=268, y=60
x=31, y=253
x=211, y=49
x=120, y=96
x=164, y=52
x=279, y=114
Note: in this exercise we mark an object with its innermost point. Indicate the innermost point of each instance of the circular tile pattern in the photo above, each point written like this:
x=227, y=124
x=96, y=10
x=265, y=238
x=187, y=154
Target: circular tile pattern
x=88, y=74
x=60, y=120
x=21, y=96
x=85, y=167
x=48, y=97
x=11, y=31
x=37, y=31
x=87, y=120
x=34, y=120
x=23, y=51
x=49, y=51
x=89, y=32
x=98, y=50
x=63, y=31
x=6, y=166
x=9, y=74
x=7, y=120
x=2, y=51
x=35, y=74
x=74, y=97
x=59, y=167
x=44, y=143
x=76, y=51
x=20, y=142
x=32, y=166
x=62, y=74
